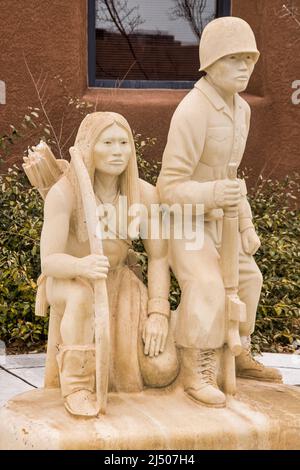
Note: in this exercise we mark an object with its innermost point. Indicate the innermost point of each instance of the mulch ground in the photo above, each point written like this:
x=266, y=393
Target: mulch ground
x=19, y=347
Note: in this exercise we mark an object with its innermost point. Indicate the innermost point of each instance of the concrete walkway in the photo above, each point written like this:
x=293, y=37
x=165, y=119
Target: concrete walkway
x=24, y=372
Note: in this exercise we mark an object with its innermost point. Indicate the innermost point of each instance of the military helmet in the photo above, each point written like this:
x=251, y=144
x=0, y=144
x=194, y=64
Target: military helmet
x=224, y=36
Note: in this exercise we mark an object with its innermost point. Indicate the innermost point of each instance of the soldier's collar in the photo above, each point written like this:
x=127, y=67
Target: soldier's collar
x=214, y=97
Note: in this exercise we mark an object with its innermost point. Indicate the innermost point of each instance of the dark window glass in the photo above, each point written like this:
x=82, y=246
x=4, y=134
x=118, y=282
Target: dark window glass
x=152, y=41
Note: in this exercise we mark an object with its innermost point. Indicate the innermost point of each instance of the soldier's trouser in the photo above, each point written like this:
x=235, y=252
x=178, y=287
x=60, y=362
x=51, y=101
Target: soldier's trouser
x=201, y=316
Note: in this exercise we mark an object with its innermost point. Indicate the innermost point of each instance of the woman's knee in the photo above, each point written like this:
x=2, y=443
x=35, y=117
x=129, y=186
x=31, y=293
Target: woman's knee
x=79, y=294
x=79, y=308
x=65, y=294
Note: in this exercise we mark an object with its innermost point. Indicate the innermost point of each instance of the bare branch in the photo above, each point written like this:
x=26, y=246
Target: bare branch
x=61, y=127
x=69, y=138
x=193, y=12
x=291, y=12
x=43, y=106
x=124, y=77
x=125, y=19
x=111, y=9
x=38, y=80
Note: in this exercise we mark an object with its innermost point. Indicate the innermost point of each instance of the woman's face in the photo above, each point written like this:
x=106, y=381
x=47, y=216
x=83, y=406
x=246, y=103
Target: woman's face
x=112, y=151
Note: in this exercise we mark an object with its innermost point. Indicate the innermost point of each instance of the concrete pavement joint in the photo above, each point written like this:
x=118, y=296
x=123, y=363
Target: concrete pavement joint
x=15, y=375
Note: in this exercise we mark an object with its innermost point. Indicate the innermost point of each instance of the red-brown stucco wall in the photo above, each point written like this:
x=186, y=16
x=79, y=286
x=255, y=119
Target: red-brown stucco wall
x=53, y=38
x=275, y=127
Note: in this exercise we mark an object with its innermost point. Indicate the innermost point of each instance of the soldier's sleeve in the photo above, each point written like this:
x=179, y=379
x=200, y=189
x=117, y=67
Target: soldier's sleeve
x=183, y=151
x=245, y=213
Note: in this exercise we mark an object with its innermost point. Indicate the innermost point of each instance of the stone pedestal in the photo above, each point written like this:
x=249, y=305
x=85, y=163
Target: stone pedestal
x=261, y=416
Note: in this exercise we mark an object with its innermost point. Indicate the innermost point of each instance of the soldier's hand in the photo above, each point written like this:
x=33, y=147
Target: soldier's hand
x=93, y=267
x=227, y=193
x=155, y=334
x=250, y=241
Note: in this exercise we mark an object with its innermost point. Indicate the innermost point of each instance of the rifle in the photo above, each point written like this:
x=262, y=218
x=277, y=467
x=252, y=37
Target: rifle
x=235, y=309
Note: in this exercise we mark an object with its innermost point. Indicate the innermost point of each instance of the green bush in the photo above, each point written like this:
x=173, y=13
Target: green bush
x=276, y=219
x=20, y=229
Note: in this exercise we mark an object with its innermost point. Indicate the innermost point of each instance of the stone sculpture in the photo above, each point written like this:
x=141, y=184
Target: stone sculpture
x=107, y=331
x=79, y=276
x=206, y=141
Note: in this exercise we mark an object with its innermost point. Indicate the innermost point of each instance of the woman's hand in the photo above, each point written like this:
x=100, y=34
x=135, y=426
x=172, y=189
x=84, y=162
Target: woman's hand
x=155, y=334
x=250, y=241
x=93, y=267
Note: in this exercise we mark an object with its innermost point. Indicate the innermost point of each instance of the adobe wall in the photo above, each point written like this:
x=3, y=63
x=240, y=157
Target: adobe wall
x=275, y=132
x=52, y=36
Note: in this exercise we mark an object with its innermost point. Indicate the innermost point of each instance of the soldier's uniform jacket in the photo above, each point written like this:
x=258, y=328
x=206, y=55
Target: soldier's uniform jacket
x=203, y=138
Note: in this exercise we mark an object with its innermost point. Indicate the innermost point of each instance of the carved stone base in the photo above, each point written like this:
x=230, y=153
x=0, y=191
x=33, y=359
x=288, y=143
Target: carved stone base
x=261, y=416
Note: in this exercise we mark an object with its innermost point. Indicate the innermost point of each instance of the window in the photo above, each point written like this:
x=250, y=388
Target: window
x=148, y=43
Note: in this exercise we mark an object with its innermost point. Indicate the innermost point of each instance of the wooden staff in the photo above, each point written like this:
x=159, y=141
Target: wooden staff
x=235, y=310
x=102, y=340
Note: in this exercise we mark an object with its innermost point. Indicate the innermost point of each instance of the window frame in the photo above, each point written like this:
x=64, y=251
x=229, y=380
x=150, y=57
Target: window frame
x=223, y=9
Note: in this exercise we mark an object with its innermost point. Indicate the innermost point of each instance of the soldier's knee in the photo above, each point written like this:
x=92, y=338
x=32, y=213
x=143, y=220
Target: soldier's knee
x=260, y=279
x=210, y=290
x=203, y=302
x=257, y=279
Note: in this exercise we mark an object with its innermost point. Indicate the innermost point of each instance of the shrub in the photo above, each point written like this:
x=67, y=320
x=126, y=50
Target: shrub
x=277, y=220
x=20, y=228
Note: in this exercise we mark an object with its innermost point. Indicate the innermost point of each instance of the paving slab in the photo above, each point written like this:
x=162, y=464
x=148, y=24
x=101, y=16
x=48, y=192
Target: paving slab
x=34, y=375
x=11, y=386
x=24, y=360
x=290, y=376
x=288, y=364
x=291, y=361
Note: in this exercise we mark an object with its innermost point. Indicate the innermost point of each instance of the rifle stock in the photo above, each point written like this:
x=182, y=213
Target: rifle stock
x=235, y=309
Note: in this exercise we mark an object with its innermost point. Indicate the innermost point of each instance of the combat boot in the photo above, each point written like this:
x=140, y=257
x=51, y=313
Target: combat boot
x=248, y=368
x=199, y=372
x=77, y=379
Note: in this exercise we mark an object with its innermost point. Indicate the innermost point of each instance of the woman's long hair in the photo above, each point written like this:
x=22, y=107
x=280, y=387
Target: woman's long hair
x=88, y=133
